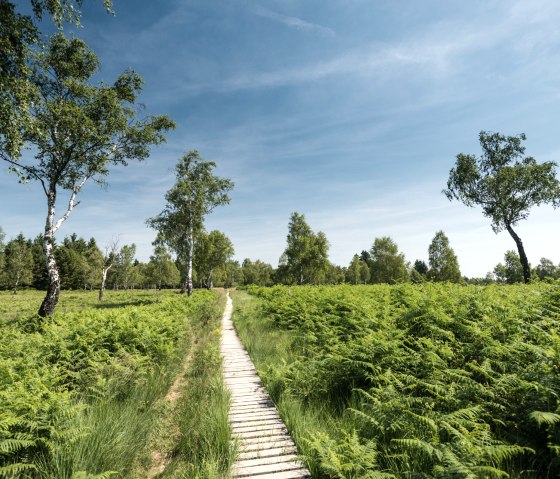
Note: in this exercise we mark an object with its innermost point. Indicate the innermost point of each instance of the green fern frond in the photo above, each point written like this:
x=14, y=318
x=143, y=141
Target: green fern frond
x=544, y=417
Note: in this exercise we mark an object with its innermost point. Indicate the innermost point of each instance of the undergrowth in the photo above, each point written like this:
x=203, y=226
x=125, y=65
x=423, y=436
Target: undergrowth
x=413, y=381
x=79, y=391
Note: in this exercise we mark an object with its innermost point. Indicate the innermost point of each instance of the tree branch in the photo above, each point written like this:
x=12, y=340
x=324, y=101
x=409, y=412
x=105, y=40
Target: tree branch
x=71, y=203
x=27, y=169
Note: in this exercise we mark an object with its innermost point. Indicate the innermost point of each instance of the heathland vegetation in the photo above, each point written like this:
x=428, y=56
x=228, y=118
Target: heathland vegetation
x=84, y=392
x=408, y=370
x=431, y=380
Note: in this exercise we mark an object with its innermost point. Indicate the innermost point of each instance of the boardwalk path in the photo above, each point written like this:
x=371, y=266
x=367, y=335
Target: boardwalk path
x=266, y=449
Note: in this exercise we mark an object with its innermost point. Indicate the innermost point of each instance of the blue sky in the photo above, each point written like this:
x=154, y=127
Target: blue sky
x=351, y=112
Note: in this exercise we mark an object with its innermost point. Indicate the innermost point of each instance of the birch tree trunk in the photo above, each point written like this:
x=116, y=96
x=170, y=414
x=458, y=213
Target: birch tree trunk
x=53, y=289
x=190, y=261
x=522, y=255
x=103, y=280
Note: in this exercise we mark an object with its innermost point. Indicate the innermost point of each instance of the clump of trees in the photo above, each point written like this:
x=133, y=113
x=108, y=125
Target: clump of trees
x=197, y=191
x=83, y=265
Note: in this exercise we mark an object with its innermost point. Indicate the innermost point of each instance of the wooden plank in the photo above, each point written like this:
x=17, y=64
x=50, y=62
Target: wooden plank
x=262, y=461
x=264, y=425
x=266, y=449
x=266, y=468
x=295, y=474
x=261, y=443
x=273, y=451
x=253, y=407
x=253, y=416
x=261, y=434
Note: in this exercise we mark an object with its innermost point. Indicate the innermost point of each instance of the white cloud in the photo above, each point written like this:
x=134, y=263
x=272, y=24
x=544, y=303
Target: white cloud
x=294, y=22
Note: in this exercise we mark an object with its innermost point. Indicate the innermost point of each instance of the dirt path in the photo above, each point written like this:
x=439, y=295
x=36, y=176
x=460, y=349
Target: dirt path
x=159, y=459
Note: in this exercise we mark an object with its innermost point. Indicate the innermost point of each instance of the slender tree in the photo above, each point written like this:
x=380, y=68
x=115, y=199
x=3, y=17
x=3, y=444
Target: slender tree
x=109, y=259
x=78, y=130
x=505, y=183
x=2, y=258
x=354, y=269
x=305, y=260
x=19, y=263
x=444, y=265
x=195, y=194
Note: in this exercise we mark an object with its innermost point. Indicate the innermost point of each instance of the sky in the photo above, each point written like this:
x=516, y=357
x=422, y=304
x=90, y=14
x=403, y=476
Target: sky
x=349, y=111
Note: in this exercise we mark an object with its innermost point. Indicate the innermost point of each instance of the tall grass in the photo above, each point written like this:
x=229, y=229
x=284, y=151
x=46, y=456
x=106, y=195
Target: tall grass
x=112, y=434
x=204, y=447
x=273, y=350
x=83, y=397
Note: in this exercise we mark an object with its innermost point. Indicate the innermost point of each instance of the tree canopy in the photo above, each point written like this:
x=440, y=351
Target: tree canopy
x=505, y=183
x=444, y=265
x=77, y=131
x=387, y=263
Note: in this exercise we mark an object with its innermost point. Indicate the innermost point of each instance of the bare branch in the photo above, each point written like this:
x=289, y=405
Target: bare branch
x=71, y=203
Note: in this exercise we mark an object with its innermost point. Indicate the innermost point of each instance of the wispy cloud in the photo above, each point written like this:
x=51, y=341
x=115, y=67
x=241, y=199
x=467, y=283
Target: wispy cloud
x=294, y=22
x=438, y=51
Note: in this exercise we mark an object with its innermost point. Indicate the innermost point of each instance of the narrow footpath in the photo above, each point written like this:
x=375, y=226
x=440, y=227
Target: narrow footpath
x=266, y=449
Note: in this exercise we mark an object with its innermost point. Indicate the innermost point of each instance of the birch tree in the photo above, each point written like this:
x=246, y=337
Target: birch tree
x=505, y=183
x=195, y=194
x=109, y=258
x=213, y=250
x=305, y=259
x=19, y=263
x=444, y=265
x=77, y=131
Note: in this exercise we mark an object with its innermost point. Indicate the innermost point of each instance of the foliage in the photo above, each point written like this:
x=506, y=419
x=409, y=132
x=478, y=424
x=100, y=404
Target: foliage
x=257, y=273
x=547, y=269
x=212, y=251
x=161, y=270
x=305, y=259
x=505, y=183
x=87, y=356
x=18, y=261
x=387, y=264
x=443, y=260
x=437, y=380
x=511, y=271
x=358, y=271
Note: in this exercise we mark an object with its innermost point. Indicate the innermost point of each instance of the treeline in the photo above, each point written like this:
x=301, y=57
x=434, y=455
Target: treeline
x=305, y=261
x=83, y=264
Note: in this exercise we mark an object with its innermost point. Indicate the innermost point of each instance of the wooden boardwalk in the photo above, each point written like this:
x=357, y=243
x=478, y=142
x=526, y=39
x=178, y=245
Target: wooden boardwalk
x=266, y=449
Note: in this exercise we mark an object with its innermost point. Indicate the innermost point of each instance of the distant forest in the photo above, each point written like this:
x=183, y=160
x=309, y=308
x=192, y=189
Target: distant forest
x=83, y=263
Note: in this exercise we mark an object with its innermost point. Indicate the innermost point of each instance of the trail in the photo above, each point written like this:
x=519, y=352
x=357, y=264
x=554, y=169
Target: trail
x=159, y=459
x=266, y=449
